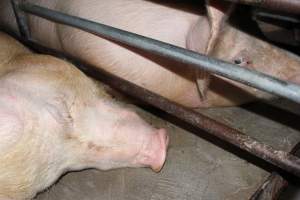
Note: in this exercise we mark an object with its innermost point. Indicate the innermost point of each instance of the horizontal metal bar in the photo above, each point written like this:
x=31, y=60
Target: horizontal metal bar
x=281, y=159
x=261, y=15
x=249, y=77
x=271, y=188
x=287, y=6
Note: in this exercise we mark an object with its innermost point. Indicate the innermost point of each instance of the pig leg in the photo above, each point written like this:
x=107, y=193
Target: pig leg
x=218, y=13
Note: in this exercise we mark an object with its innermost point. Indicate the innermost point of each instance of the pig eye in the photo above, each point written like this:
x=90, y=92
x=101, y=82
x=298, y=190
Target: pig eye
x=242, y=59
x=237, y=61
x=242, y=62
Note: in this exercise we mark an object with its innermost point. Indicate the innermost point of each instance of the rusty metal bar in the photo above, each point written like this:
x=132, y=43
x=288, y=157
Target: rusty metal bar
x=272, y=187
x=278, y=158
x=287, y=6
x=243, y=75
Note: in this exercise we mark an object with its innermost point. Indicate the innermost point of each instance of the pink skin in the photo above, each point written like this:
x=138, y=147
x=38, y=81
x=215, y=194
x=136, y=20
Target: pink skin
x=180, y=24
x=131, y=142
x=54, y=119
x=157, y=146
x=159, y=21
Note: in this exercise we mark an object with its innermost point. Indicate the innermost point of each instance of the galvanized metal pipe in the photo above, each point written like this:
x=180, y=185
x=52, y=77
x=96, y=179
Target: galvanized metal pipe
x=249, y=77
x=287, y=6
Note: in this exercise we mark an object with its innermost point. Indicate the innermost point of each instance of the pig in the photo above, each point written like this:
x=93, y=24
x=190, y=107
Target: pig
x=54, y=119
x=199, y=27
x=218, y=13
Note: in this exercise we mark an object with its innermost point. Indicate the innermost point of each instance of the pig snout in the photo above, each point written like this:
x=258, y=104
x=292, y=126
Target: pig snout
x=153, y=153
x=153, y=150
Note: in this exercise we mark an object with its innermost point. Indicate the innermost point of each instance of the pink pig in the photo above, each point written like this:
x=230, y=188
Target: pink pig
x=196, y=26
x=53, y=119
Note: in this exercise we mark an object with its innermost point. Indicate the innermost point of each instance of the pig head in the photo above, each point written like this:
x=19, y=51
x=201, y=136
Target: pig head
x=54, y=119
x=226, y=42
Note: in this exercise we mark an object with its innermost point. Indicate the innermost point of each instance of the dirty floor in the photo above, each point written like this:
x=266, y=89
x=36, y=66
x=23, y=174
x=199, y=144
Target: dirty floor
x=195, y=168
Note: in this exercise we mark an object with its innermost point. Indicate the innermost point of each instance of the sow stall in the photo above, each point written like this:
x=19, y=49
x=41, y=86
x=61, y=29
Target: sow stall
x=266, y=165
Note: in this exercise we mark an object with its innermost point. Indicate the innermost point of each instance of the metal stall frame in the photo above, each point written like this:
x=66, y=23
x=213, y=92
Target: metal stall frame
x=286, y=6
x=272, y=187
x=280, y=159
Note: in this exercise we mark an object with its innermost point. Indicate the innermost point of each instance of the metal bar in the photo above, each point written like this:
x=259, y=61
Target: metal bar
x=21, y=19
x=278, y=158
x=249, y=77
x=271, y=188
x=287, y=6
x=267, y=17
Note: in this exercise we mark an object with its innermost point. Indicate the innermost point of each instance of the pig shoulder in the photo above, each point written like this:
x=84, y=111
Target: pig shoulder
x=11, y=126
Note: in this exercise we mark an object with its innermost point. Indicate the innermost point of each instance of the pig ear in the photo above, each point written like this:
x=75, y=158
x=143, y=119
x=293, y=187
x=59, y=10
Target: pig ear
x=11, y=129
x=218, y=12
x=197, y=39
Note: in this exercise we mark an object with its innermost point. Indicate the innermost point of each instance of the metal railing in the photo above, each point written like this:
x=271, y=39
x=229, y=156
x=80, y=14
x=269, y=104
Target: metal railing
x=287, y=6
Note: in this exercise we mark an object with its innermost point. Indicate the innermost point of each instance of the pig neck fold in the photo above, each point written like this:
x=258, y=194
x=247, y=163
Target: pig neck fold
x=28, y=169
x=35, y=160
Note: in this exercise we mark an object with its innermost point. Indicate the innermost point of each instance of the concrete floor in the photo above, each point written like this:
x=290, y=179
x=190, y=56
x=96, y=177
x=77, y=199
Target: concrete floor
x=195, y=168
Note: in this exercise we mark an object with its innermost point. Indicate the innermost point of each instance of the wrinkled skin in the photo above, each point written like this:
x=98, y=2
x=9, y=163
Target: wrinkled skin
x=177, y=23
x=54, y=119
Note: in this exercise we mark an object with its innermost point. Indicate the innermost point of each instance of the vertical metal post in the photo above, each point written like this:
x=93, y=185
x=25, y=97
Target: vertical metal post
x=21, y=19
